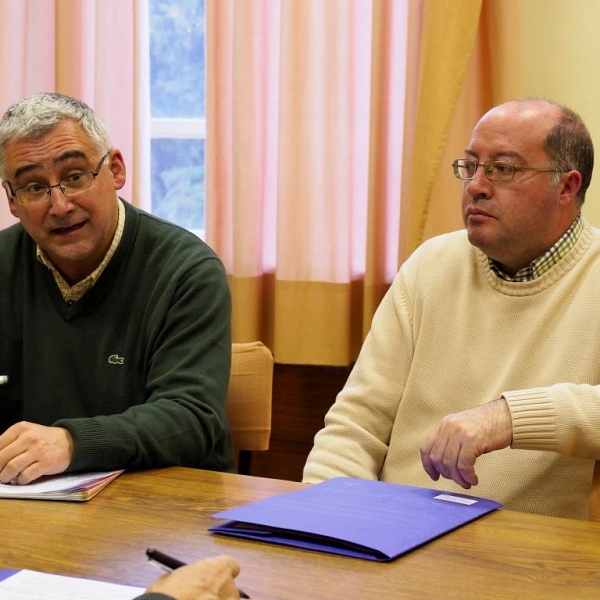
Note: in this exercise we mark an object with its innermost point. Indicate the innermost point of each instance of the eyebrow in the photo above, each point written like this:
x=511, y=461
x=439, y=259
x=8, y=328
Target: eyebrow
x=503, y=154
x=60, y=158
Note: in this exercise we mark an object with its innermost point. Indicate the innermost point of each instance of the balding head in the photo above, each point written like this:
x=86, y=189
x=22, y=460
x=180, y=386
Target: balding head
x=563, y=134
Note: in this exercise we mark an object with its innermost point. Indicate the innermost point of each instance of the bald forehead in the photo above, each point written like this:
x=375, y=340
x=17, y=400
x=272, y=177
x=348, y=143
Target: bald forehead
x=543, y=115
x=517, y=128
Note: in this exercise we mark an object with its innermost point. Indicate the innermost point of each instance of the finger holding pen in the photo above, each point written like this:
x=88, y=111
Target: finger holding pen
x=205, y=579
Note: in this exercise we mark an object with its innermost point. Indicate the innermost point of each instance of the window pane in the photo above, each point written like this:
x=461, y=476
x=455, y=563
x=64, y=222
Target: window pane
x=177, y=58
x=178, y=181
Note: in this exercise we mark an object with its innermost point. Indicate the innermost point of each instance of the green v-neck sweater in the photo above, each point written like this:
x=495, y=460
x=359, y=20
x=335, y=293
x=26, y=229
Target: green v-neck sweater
x=137, y=370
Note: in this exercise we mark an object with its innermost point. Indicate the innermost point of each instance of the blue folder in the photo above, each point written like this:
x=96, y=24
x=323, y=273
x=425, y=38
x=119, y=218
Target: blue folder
x=373, y=520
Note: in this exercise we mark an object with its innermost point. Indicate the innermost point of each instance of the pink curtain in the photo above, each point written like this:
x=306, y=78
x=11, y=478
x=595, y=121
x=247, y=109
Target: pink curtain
x=322, y=148
x=95, y=50
x=293, y=199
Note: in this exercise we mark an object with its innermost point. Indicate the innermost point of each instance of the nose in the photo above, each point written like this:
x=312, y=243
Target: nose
x=480, y=185
x=59, y=203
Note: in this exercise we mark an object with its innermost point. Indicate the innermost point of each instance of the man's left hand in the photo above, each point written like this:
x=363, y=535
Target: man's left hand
x=452, y=448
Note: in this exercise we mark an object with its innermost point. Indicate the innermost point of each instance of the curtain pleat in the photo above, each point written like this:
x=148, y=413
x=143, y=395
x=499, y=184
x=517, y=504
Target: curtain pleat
x=488, y=82
x=441, y=39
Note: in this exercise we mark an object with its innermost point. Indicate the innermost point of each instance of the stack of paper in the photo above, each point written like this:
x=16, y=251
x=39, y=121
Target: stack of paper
x=367, y=519
x=78, y=487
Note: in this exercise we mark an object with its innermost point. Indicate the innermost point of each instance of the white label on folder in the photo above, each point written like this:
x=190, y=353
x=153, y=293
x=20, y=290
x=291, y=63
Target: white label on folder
x=458, y=499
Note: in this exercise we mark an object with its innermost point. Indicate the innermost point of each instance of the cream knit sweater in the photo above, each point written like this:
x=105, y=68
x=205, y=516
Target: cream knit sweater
x=450, y=335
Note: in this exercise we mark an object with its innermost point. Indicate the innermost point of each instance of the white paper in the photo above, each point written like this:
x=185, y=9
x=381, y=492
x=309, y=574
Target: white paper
x=32, y=585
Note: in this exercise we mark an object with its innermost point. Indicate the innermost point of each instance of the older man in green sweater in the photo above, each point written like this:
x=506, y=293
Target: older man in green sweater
x=115, y=325
x=482, y=366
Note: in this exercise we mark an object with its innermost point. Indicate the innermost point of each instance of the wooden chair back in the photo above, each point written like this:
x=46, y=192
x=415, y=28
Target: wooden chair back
x=249, y=400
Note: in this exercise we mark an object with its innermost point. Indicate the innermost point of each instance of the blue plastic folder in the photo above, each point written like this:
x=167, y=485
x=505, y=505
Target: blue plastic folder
x=373, y=520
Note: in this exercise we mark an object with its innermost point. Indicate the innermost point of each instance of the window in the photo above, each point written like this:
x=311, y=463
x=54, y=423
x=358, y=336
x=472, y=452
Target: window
x=177, y=102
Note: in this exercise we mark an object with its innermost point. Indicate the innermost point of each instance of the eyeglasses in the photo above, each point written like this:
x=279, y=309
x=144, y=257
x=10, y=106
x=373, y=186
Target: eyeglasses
x=75, y=183
x=494, y=170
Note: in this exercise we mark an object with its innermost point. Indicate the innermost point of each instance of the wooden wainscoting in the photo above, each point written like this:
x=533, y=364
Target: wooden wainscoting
x=302, y=396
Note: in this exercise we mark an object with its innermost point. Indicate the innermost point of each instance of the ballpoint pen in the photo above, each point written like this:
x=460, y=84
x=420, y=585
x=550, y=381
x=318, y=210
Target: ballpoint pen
x=170, y=563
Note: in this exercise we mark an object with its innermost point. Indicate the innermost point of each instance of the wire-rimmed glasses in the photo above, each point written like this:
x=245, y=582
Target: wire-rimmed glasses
x=494, y=170
x=75, y=183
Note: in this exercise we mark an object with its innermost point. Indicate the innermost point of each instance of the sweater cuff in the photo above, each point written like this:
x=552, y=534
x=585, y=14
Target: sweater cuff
x=90, y=450
x=533, y=419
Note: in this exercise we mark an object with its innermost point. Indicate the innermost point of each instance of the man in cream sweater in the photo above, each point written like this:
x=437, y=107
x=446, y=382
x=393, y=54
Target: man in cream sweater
x=482, y=365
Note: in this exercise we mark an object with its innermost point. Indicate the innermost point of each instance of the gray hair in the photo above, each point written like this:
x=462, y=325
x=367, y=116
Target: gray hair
x=35, y=116
x=569, y=147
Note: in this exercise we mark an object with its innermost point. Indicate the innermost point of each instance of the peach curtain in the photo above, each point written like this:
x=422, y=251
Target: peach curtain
x=440, y=45
x=95, y=50
x=494, y=75
x=326, y=124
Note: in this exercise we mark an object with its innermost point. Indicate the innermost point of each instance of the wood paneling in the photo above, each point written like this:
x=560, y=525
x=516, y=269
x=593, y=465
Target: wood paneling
x=302, y=396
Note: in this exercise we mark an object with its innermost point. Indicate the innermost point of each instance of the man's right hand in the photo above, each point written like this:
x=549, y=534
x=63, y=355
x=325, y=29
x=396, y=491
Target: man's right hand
x=29, y=450
x=207, y=579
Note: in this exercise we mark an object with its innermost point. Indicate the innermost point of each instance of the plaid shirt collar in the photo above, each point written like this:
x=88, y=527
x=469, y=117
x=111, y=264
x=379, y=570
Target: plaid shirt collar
x=546, y=261
x=72, y=293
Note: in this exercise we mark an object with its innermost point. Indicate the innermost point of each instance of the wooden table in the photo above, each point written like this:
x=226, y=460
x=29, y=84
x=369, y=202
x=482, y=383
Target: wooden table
x=503, y=555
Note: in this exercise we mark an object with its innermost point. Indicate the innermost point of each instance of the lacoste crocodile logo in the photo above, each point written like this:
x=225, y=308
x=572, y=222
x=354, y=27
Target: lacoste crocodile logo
x=115, y=359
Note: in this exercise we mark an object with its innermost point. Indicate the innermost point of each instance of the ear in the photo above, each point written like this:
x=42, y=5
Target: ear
x=14, y=210
x=569, y=187
x=12, y=205
x=117, y=168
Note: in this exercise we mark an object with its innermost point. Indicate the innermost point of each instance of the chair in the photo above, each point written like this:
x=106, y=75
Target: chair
x=594, y=514
x=249, y=400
